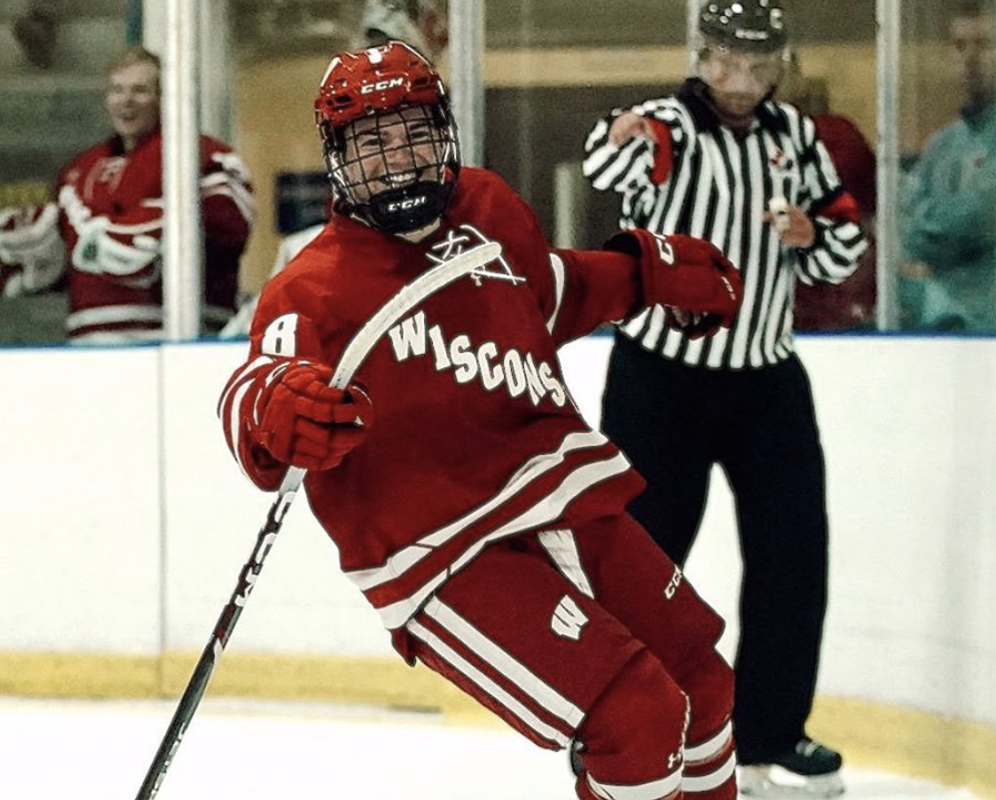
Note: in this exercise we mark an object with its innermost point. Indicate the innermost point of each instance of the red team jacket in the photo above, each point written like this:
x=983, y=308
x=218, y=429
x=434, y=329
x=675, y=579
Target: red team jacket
x=475, y=436
x=105, y=191
x=851, y=304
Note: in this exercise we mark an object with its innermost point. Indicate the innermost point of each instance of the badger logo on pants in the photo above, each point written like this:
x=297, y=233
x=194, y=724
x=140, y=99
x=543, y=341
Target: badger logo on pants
x=568, y=619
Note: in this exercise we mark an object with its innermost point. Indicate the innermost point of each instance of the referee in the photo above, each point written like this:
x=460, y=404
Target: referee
x=722, y=161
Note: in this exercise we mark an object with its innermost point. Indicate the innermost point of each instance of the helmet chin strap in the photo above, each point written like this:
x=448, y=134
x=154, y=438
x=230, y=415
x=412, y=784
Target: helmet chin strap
x=408, y=188
x=406, y=209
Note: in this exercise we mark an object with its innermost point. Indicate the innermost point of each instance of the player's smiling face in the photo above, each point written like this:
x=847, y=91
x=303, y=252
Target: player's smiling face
x=132, y=101
x=390, y=151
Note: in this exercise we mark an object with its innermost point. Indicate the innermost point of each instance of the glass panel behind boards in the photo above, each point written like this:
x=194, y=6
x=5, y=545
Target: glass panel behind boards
x=552, y=74
x=52, y=74
x=947, y=197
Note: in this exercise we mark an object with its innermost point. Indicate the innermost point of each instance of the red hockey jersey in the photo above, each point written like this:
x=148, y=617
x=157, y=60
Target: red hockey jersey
x=475, y=436
x=111, y=221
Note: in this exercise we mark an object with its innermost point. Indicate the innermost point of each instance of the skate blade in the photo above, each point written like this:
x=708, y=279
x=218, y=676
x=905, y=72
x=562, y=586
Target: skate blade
x=773, y=781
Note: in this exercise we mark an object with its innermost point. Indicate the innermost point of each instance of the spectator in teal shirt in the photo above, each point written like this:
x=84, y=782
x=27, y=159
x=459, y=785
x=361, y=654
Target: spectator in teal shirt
x=948, y=199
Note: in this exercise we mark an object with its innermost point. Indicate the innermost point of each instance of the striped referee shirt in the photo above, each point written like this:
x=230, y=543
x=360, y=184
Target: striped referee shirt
x=719, y=186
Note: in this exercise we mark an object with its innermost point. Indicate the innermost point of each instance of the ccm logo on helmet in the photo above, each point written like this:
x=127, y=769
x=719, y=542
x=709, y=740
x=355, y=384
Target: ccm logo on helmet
x=382, y=86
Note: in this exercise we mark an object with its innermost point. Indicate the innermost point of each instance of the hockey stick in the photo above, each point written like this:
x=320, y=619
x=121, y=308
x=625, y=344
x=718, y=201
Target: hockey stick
x=353, y=356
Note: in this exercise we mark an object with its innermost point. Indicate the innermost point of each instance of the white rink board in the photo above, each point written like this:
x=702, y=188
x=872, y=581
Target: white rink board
x=908, y=427
x=301, y=603
x=79, y=500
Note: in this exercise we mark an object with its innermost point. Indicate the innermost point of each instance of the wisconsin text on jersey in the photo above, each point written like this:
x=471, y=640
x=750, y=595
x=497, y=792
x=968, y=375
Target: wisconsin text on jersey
x=518, y=373
x=513, y=370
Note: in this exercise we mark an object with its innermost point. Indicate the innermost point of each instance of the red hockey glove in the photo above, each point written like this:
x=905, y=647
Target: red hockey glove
x=697, y=285
x=307, y=423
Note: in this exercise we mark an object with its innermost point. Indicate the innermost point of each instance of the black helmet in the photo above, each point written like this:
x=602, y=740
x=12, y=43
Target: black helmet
x=754, y=25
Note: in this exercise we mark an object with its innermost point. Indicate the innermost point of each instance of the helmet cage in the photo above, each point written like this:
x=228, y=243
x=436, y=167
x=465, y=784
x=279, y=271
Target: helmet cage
x=398, y=180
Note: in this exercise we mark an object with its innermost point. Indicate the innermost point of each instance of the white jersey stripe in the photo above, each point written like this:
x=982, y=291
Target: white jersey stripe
x=397, y=614
x=110, y=315
x=563, y=549
x=234, y=422
x=652, y=790
x=706, y=783
x=544, y=512
x=117, y=337
x=596, y=788
x=559, y=281
x=512, y=669
x=401, y=561
x=223, y=181
x=132, y=230
x=709, y=748
x=243, y=373
x=271, y=376
x=463, y=666
x=552, y=506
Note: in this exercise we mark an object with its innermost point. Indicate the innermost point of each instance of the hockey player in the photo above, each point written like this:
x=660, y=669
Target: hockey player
x=469, y=501
x=110, y=215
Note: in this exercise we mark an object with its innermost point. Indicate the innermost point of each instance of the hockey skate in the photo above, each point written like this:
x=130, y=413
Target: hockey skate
x=809, y=771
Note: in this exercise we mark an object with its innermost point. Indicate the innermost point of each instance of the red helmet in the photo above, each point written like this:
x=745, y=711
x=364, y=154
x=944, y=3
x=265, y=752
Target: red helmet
x=372, y=81
x=389, y=80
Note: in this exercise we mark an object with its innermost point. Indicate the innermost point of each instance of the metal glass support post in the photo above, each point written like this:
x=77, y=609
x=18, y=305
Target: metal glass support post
x=992, y=9
x=182, y=239
x=134, y=23
x=466, y=23
x=154, y=26
x=888, y=15
x=568, y=203
x=693, y=31
x=216, y=69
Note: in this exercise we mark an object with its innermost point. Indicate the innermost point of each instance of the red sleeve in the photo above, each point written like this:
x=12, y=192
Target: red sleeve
x=577, y=290
x=228, y=210
x=663, y=152
x=852, y=156
x=840, y=206
x=591, y=287
x=278, y=339
x=226, y=196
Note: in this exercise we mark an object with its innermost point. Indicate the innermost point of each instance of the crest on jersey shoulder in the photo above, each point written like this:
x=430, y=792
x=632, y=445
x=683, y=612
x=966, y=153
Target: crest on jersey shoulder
x=463, y=238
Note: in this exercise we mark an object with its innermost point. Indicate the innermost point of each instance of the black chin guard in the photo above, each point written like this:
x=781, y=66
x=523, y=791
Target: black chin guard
x=408, y=208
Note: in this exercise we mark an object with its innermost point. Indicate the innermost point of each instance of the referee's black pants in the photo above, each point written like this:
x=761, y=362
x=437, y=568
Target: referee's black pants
x=674, y=422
